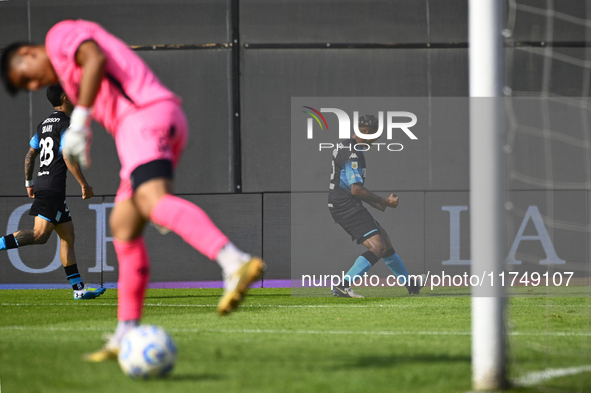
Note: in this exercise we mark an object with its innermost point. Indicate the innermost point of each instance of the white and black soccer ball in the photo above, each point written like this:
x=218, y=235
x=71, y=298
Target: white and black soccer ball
x=147, y=352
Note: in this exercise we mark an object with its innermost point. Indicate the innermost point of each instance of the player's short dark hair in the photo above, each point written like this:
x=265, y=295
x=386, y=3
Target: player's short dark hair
x=7, y=55
x=368, y=121
x=54, y=94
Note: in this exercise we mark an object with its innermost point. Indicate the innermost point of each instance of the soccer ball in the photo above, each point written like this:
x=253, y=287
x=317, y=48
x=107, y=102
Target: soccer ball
x=147, y=352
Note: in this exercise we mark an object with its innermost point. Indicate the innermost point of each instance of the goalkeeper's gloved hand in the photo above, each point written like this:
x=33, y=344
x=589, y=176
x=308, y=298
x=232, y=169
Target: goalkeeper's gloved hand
x=78, y=137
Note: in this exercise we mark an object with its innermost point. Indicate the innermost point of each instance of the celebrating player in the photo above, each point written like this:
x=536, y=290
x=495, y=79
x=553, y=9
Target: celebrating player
x=105, y=79
x=344, y=202
x=49, y=207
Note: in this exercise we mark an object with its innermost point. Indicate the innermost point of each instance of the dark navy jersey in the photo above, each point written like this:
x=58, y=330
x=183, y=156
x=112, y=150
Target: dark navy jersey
x=348, y=167
x=48, y=142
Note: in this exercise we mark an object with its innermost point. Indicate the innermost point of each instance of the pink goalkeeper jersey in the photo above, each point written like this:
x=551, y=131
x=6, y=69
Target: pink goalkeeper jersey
x=128, y=83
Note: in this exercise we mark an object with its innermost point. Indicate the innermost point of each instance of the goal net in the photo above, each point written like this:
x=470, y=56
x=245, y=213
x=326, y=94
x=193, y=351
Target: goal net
x=548, y=179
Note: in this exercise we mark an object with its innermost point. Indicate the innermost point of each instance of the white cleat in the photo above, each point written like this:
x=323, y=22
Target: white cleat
x=345, y=292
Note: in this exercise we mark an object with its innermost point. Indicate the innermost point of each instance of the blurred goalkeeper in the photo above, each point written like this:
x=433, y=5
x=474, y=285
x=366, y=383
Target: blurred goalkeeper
x=347, y=191
x=107, y=81
x=49, y=192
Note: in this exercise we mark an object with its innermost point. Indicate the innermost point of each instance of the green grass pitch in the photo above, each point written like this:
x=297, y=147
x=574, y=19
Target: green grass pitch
x=279, y=343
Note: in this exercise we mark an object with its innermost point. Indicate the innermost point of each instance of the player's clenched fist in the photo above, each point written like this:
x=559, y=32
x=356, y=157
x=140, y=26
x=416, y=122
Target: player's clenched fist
x=87, y=192
x=392, y=201
x=78, y=137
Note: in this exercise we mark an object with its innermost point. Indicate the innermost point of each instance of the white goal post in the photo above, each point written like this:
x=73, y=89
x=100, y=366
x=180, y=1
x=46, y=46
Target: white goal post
x=486, y=68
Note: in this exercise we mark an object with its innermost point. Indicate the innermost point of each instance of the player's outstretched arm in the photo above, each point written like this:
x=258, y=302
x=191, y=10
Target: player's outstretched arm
x=29, y=167
x=87, y=191
x=359, y=191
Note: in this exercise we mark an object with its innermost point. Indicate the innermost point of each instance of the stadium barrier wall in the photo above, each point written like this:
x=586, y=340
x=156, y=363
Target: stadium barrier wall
x=429, y=230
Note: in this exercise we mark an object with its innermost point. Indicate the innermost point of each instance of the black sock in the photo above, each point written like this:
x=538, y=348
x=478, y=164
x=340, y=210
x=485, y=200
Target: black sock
x=10, y=242
x=346, y=284
x=389, y=252
x=74, y=277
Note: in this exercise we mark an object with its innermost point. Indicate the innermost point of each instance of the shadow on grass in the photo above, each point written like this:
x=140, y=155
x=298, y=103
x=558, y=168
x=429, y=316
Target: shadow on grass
x=454, y=294
x=390, y=361
x=253, y=294
x=194, y=377
x=249, y=295
x=182, y=297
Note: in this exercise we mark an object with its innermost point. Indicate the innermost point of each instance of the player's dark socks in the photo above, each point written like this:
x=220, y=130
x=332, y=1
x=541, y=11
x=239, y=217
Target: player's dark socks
x=389, y=252
x=74, y=277
x=371, y=257
x=8, y=242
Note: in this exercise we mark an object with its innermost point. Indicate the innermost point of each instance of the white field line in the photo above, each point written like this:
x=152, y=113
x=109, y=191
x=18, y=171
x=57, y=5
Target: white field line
x=535, y=378
x=298, y=331
x=255, y=331
x=114, y=304
x=543, y=334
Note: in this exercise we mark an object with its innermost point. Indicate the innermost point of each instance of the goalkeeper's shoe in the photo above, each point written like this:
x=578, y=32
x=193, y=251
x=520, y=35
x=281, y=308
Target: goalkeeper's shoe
x=88, y=293
x=237, y=284
x=414, y=286
x=107, y=352
x=341, y=291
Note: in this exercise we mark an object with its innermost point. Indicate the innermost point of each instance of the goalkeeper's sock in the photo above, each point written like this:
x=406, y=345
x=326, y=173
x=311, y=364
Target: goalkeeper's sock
x=362, y=264
x=395, y=264
x=122, y=328
x=231, y=258
x=134, y=274
x=8, y=242
x=74, y=277
x=191, y=223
